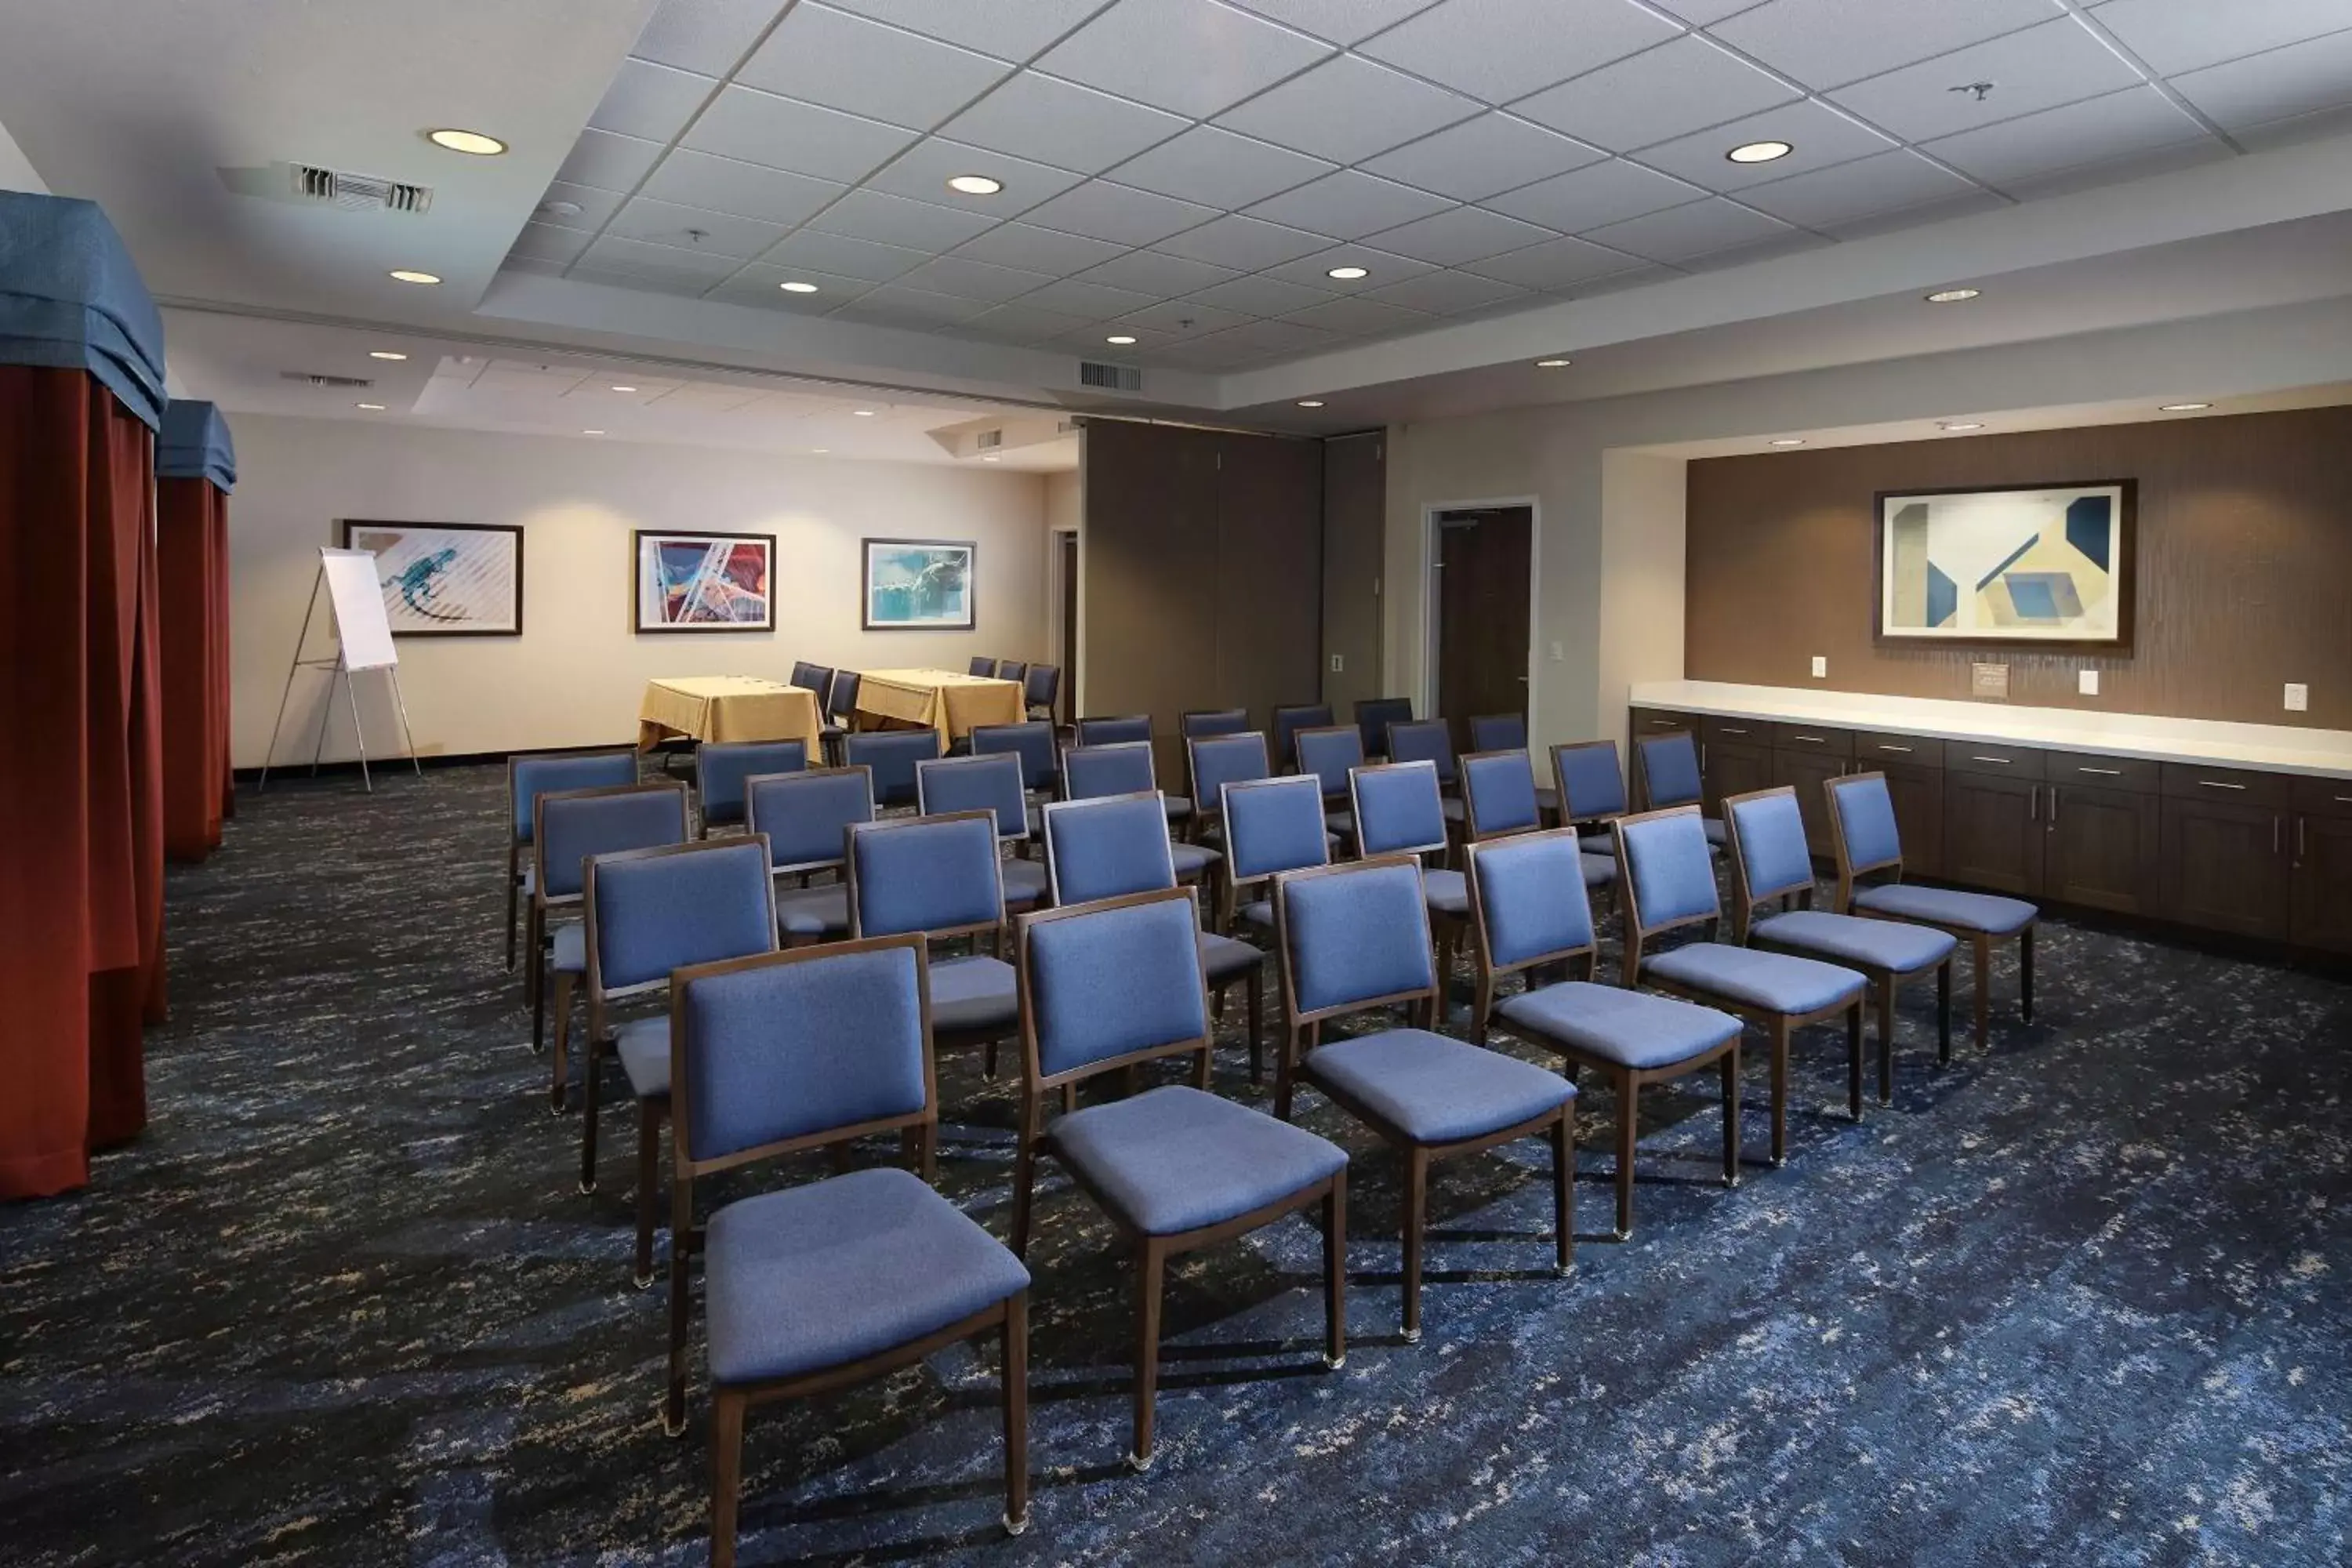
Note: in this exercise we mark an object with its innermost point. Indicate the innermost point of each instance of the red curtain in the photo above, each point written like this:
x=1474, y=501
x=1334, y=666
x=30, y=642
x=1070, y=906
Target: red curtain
x=192, y=548
x=81, y=885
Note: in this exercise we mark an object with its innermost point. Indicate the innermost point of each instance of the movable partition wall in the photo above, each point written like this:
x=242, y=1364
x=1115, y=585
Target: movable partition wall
x=195, y=468
x=81, y=911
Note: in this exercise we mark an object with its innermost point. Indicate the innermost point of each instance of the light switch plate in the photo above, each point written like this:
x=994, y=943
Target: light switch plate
x=1558, y=653
x=1338, y=662
x=2298, y=697
x=1820, y=667
x=2086, y=681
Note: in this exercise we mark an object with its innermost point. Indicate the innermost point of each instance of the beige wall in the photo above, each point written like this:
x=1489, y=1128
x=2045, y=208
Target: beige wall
x=575, y=675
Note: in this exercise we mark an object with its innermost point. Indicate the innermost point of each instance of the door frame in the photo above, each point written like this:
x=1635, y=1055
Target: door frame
x=1432, y=592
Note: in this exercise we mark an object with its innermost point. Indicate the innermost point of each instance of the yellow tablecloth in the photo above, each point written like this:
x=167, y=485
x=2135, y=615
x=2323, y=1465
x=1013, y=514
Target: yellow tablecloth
x=727, y=708
x=943, y=699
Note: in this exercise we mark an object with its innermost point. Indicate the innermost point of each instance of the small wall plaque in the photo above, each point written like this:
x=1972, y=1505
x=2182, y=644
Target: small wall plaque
x=1989, y=682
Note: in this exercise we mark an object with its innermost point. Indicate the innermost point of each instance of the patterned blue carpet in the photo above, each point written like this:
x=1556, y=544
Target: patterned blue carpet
x=2080, y=1299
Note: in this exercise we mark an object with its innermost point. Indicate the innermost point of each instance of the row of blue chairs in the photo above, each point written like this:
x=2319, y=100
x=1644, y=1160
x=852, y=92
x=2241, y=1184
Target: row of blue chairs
x=1041, y=684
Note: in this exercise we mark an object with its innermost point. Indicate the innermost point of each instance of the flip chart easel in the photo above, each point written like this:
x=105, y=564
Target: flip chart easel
x=363, y=641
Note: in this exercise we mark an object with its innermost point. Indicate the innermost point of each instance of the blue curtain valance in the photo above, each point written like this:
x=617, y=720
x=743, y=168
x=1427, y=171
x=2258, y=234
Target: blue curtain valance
x=196, y=445
x=71, y=298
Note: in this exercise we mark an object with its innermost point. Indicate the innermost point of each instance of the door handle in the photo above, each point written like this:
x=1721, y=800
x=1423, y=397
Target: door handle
x=2103, y=773
x=2217, y=784
x=1523, y=681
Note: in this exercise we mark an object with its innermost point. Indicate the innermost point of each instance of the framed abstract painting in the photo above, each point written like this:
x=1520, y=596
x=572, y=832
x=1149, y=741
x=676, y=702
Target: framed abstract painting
x=444, y=579
x=918, y=585
x=2051, y=565
x=703, y=582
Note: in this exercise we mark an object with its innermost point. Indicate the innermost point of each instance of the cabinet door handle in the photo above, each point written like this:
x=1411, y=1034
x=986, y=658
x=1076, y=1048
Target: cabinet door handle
x=2004, y=761
x=2217, y=784
x=2344, y=800
x=2103, y=773
x=1810, y=739
x=1904, y=749
x=1729, y=730
x=2300, y=824
x=2034, y=804
x=2053, y=806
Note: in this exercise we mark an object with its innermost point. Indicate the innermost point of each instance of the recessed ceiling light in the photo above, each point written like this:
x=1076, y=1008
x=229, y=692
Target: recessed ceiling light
x=819, y=451
x=1789, y=441
x=1553, y=364
x=1120, y=337
x=1310, y=402
x=863, y=413
x=472, y=142
x=1965, y=425
x=2182, y=407
x=624, y=389
x=371, y=408
x=386, y=354
x=989, y=458
x=1951, y=296
x=1759, y=152
x=797, y=288
x=560, y=208
x=975, y=184
x=1347, y=273
x=592, y=432
x=408, y=275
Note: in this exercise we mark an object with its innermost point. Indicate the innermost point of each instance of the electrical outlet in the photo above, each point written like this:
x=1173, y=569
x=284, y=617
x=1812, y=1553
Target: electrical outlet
x=2298, y=697
x=1338, y=662
x=1820, y=667
x=2086, y=681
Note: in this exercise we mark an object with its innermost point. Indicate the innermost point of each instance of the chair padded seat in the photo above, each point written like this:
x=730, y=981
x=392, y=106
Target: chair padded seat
x=1713, y=827
x=1431, y=1089
x=644, y=1048
x=1447, y=893
x=1223, y=957
x=1881, y=944
x=1192, y=860
x=1601, y=843
x=1599, y=870
x=1025, y=881
x=1631, y=1028
x=1947, y=907
x=1454, y=809
x=1339, y=822
x=1177, y=808
x=1547, y=800
x=823, y=1275
x=1176, y=1158
x=1260, y=913
x=971, y=994
x=1776, y=982
x=812, y=911
x=571, y=944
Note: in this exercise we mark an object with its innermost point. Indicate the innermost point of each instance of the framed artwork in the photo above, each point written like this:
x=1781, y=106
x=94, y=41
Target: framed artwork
x=2048, y=565
x=703, y=582
x=918, y=585
x=444, y=579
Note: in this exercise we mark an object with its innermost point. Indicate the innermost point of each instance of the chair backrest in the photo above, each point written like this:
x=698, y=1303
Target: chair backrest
x=721, y=766
x=1110, y=729
x=1498, y=795
x=806, y=816
x=937, y=875
x=1044, y=687
x=1011, y=670
x=1272, y=825
x=841, y=696
x=1031, y=740
x=987, y=781
x=981, y=665
x=1770, y=858
x=1199, y=722
x=1527, y=900
x=1863, y=828
x=1590, y=784
x=791, y=1050
x=1423, y=741
x=532, y=775
x=1397, y=809
x=1666, y=872
x=649, y=912
x=816, y=678
x=1498, y=732
x=1111, y=984
x=1352, y=937
x=1328, y=753
x=1373, y=717
x=1106, y=846
x=1123, y=768
x=572, y=824
x=1665, y=771
x=1289, y=721
x=1220, y=760
x=892, y=754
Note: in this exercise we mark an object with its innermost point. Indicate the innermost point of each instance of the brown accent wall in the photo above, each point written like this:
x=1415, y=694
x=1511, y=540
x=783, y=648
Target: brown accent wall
x=2244, y=570
x=1355, y=524
x=1203, y=563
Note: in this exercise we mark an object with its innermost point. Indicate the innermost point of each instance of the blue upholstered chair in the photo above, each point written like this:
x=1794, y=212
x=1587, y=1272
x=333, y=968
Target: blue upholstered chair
x=990, y=782
x=1373, y=717
x=1591, y=788
x=816, y=678
x=1288, y=722
x=1195, y=722
x=1126, y=767
x=528, y=777
x=1272, y=826
x=839, y=701
x=1214, y=762
x=649, y=911
x=1861, y=826
x=1529, y=913
x=1041, y=690
x=941, y=876
x=1666, y=879
x=1499, y=798
x=1770, y=864
x=805, y=817
x=1666, y=774
x=1112, y=985
x=891, y=756
x=1355, y=937
x=1110, y=731
x=983, y=667
x=1397, y=811
x=1032, y=741
x=1427, y=740
x=1329, y=754
x=721, y=766
x=1508, y=732
x=583, y=821
x=1013, y=669
x=840, y=1279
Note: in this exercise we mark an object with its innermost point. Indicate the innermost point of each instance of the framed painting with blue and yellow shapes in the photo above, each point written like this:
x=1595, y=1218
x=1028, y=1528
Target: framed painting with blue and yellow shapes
x=2043, y=566
x=920, y=584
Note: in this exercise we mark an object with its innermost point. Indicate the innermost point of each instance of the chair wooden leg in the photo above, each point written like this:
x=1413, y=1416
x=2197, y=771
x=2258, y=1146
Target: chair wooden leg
x=1780, y=1091
x=1563, y=1187
x=649, y=1123
x=531, y=942
x=674, y=1399
x=1729, y=1071
x=1482, y=1004
x=1416, y=1218
x=1853, y=1056
x=1335, y=1273
x=1254, y=983
x=1886, y=1040
x=559, y=1064
x=1984, y=989
x=2025, y=974
x=1285, y=1066
x=1069, y=1098
x=1016, y=1413
x=1629, y=1131
x=514, y=898
x=1150, y=1265
x=988, y=1063
x=1025, y=1182
x=588, y=1117
x=1944, y=1011
x=726, y=1474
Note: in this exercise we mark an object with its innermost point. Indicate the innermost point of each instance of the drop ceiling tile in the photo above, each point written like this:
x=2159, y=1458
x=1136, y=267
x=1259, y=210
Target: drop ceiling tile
x=969, y=279
x=922, y=173
x=1102, y=210
x=895, y=220
x=1448, y=293
x=1348, y=109
x=1787, y=244
x=642, y=282
x=1481, y=157
x=650, y=101
x=1245, y=244
x=2299, y=78
x=1855, y=192
x=1038, y=249
x=1498, y=50
x=1349, y=204
x=1555, y=265
x=1013, y=31
x=756, y=285
x=1183, y=318
x=1086, y=302
x=607, y=161
x=1597, y=193
x=1818, y=136
x=1699, y=13
x=1052, y=122
x=1360, y=316
x=1829, y=43
x=1262, y=296
x=1380, y=267
x=706, y=36
x=1656, y=95
x=1024, y=322
x=1271, y=337
x=1680, y=234
x=1150, y=273
x=1341, y=21
x=692, y=228
x=1466, y=234
x=596, y=208
x=1191, y=57
x=850, y=258
x=781, y=133
x=2176, y=37
x=727, y=186
x=1219, y=169
x=822, y=56
x=1212, y=352
x=532, y=265
x=2040, y=67
x=545, y=242
x=893, y=306
x=1092, y=342
x=2096, y=130
x=1975, y=200
x=615, y=254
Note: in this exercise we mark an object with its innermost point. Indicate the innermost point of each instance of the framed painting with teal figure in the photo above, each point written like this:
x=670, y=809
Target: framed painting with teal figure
x=444, y=579
x=2045, y=565
x=920, y=584
x=703, y=582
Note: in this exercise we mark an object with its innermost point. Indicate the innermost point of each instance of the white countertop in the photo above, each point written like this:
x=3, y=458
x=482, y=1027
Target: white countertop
x=2278, y=748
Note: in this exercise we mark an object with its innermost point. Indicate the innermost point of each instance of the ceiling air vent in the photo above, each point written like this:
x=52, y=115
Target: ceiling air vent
x=359, y=193
x=312, y=378
x=1110, y=378
x=988, y=440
